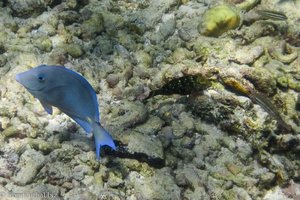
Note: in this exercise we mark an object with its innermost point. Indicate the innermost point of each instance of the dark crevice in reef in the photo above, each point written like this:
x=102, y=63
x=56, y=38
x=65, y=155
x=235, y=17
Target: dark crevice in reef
x=80, y=3
x=2, y=49
x=4, y=3
x=55, y=3
x=122, y=152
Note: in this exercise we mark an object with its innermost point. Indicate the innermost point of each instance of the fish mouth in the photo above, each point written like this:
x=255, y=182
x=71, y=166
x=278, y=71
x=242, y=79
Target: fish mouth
x=36, y=90
x=31, y=90
x=18, y=78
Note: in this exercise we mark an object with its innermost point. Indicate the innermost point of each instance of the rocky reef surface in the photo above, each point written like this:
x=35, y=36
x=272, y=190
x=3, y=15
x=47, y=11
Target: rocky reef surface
x=201, y=97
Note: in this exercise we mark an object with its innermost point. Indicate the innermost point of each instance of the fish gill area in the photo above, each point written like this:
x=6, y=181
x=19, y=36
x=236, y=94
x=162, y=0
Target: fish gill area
x=201, y=97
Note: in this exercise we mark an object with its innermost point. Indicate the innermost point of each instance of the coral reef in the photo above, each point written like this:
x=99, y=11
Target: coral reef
x=201, y=98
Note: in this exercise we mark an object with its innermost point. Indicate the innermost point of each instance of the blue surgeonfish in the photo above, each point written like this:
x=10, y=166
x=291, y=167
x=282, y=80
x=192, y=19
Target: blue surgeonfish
x=72, y=94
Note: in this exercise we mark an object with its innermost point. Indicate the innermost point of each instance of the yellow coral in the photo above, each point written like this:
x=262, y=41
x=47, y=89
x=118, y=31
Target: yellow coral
x=218, y=20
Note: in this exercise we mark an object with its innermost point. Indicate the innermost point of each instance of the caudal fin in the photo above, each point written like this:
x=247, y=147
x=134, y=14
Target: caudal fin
x=102, y=137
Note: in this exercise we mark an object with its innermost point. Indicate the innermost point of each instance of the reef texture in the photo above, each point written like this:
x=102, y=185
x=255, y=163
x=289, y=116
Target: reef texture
x=201, y=98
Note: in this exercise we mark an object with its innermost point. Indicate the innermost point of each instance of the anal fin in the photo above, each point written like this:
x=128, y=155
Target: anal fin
x=84, y=124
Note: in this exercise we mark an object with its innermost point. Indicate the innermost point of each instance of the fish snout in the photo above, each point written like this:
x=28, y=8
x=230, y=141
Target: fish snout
x=18, y=78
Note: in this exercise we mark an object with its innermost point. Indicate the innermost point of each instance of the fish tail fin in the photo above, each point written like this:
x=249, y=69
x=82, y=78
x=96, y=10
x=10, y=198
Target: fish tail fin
x=102, y=137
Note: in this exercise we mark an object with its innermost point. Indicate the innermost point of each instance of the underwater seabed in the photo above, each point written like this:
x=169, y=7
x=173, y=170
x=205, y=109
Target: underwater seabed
x=201, y=98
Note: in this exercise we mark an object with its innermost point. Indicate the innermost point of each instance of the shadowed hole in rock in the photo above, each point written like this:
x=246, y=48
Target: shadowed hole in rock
x=55, y=3
x=122, y=152
x=4, y=3
x=2, y=50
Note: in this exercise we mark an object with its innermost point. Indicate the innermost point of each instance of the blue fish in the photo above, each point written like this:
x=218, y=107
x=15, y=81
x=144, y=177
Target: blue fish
x=69, y=92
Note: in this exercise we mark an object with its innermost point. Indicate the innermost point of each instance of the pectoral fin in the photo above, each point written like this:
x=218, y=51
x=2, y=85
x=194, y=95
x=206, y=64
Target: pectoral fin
x=48, y=108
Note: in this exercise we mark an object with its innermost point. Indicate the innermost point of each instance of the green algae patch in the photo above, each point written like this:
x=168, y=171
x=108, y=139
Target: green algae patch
x=43, y=146
x=10, y=132
x=93, y=26
x=74, y=50
x=44, y=44
x=218, y=20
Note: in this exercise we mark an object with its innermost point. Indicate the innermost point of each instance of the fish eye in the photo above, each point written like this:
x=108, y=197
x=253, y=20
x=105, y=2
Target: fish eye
x=41, y=77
